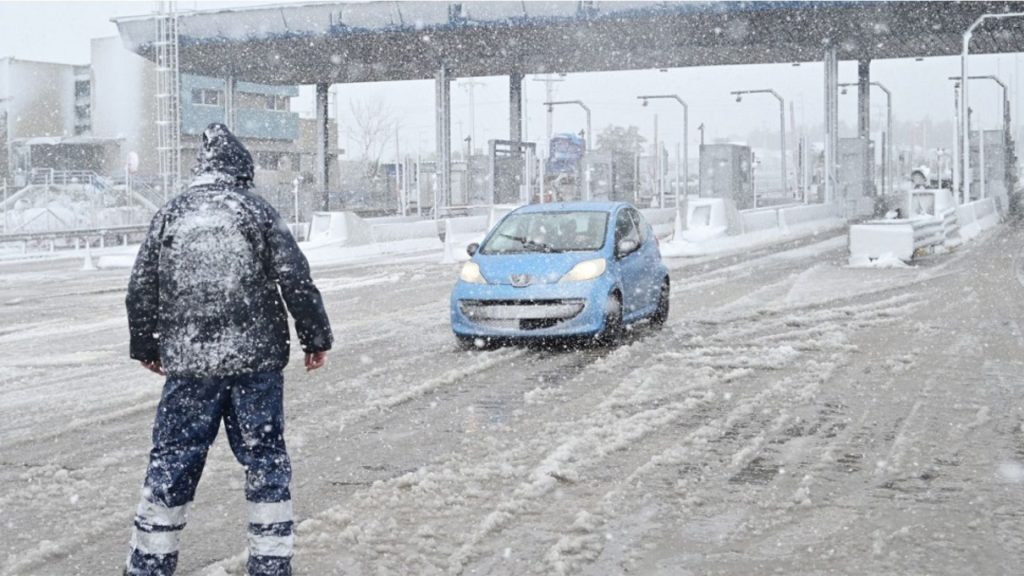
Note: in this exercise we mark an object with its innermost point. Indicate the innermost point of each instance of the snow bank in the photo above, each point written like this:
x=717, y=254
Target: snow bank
x=714, y=244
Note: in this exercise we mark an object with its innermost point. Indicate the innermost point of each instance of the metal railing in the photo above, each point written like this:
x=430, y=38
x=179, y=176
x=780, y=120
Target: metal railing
x=51, y=177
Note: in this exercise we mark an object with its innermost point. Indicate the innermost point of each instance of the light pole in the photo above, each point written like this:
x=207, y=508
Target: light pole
x=686, y=131
x=589, y=139
x=782, y=126
x=1006, y=106
x=295, y=192
x=888, y=128
x=965, y=158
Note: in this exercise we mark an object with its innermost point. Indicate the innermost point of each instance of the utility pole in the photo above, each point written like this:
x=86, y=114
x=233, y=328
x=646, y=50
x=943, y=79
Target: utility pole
x=469, y=85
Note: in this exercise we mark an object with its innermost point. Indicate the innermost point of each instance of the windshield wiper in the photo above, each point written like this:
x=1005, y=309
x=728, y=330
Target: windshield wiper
x=521, y=239
x=529, y=245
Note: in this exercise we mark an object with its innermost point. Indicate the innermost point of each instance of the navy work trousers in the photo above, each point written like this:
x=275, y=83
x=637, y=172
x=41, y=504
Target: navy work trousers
x=187, y=420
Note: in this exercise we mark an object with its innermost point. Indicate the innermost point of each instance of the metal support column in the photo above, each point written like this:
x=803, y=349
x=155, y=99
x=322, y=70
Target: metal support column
x=864, y=123
x=323, y=169
x=442, y=104
x=229, y=102
x=831, y=122
x=515, y=106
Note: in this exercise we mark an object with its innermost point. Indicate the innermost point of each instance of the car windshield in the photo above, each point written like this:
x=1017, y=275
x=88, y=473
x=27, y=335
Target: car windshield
x=548, y=232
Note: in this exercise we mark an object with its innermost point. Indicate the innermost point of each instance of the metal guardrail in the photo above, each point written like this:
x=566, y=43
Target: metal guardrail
x=72, y=234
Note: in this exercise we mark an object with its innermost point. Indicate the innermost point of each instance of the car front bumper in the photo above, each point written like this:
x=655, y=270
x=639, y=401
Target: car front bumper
x=536, y=311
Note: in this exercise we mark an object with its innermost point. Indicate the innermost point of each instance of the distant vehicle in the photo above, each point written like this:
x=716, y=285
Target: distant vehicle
x=580, y=269
x=566, y=152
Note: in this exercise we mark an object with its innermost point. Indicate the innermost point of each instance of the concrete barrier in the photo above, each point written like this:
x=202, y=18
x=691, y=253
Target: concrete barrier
x=805, y=213
x=662, y=220
x=460, y=233
x=875, y=240
x=345, y=228
x=758, y=219
x=395, y=232
x=976, y=217
x=938, y=223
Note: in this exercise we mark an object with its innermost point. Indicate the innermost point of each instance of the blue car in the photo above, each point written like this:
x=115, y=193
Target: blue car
x=546, y=271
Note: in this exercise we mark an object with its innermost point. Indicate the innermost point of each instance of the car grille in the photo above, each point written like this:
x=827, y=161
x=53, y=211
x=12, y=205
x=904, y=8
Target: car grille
x=521, y=314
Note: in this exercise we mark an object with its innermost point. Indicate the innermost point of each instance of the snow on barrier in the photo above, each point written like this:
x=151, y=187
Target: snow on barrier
x=976, y=217
x=460, y=233
x=905, y=238
x=875, y=240
x=662, y=220
x=400, y=231
x=758, y=219
x=705, y=218
x=344, y=228
x=900, y=238
x=805, y=213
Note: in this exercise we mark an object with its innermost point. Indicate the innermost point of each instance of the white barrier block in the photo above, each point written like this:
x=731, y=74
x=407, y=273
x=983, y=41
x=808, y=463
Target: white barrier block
x=344, y=227
x=873, y=241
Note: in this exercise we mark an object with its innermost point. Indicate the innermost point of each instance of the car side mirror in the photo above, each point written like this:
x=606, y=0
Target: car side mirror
x=472, y=248
x=626, y=247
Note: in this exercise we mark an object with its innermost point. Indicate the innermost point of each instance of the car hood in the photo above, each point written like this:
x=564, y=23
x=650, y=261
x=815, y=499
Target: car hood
x=529, y=268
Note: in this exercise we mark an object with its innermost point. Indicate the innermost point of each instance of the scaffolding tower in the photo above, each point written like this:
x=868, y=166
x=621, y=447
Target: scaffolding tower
x=168, y=110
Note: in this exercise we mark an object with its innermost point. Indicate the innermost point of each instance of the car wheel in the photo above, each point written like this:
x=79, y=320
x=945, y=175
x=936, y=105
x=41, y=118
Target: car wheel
x=474, y=343
x=660, y=315
x=611, y=332
x=466, y=342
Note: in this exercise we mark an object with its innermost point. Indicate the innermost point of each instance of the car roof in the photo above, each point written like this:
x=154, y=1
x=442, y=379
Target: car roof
x=572, y=207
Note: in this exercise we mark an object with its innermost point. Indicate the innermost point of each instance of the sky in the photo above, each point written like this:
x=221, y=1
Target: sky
x=61, y=31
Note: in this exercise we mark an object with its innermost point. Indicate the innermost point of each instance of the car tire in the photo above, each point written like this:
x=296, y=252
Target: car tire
x=660, y=315
x=467, y=343
x=611, y=332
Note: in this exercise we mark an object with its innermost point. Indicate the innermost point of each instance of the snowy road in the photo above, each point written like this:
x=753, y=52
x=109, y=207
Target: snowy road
x=794, y=416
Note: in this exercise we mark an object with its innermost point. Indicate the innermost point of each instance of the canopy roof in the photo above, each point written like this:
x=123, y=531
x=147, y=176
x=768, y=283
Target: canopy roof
x=375, y=41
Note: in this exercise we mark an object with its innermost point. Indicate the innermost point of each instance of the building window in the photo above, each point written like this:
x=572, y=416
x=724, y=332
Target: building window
x=277, y=161
x=205, y=97
x=277, y=102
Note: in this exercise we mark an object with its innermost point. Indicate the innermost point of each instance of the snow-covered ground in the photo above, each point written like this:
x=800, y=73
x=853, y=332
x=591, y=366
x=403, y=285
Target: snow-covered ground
x=795, y=416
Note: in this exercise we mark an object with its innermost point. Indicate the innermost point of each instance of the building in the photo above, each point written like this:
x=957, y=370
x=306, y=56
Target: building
x=101, y=119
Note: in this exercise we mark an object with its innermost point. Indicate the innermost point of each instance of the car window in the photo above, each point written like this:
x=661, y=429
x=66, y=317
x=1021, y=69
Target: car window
x=548, y=232
x=641, y=225
x=625, y=229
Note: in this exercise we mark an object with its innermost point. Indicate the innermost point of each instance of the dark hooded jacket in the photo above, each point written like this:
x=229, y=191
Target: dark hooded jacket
x=205, y=294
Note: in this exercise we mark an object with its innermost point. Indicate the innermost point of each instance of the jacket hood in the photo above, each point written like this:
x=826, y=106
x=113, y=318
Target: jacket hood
x=223, y=156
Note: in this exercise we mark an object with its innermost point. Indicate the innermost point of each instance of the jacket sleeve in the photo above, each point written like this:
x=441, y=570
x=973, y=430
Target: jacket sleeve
x=289, y=265
x=143, y=299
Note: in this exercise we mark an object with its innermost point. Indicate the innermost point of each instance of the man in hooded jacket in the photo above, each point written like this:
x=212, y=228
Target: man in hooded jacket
x=205, y=309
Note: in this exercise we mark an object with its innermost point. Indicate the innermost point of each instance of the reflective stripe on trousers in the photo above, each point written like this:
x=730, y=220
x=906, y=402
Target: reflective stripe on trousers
x=187, y=421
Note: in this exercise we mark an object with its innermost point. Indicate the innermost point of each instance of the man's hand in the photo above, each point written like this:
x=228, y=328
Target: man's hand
x=315, y=360
x=154, y=367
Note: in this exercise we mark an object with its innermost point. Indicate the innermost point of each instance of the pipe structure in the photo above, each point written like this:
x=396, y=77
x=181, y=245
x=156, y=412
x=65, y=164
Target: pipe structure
x=782, y=127
x=686, y=131
x=965, y=156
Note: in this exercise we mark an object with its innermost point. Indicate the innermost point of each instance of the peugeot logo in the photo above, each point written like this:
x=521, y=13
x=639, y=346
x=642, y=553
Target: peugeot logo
x=521, y=280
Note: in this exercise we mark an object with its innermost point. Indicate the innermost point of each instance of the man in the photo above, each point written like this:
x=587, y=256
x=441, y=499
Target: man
x=204, y=309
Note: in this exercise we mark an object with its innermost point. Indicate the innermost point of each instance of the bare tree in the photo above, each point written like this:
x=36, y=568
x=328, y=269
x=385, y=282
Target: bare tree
x=373, y=128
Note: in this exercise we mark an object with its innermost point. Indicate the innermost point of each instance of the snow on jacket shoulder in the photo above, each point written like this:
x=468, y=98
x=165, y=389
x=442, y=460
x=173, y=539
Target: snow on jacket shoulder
x=205, y=294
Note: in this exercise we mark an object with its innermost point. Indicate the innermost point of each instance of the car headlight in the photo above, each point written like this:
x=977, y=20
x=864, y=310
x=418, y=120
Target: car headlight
x=471, y=273
x=586, y=270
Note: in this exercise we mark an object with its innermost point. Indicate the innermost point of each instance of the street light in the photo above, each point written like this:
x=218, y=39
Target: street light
x=965, y=158
x=579, y=103
x=782, y=127
x=888, y=128
x=1006, y=107
x=686, y=130
x=1006, y=98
